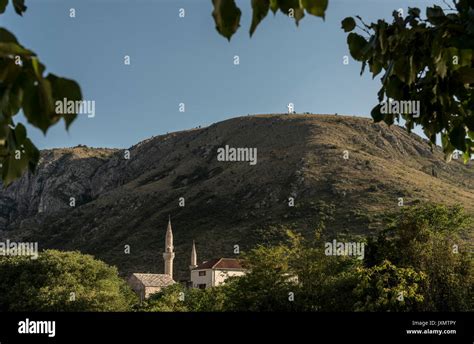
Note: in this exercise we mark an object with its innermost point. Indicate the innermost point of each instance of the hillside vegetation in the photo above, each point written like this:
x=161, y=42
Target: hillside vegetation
x=123, y=201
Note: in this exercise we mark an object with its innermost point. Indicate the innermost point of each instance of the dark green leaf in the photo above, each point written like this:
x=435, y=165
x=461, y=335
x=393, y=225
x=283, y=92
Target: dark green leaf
x=11, y=49
x=63, y=88
x=394, y=88
x=348, y=24
x=413, y=11
x=4, y=129
x=33, y=154
x=260, y=11
x=227, y=17
x=287, y=5
x=11, y=100
x=38, y=105
x=19, y=6
x=7, y=37
x=315, y=7
x=20, y=133
x=376, y=114
x=470, y=122
x=299, y=14
x=435, y=15
x=375, y=68
x=13, y=168
x=274, y=6
x=3, y=6
x=356, y=45
x=466, y=75
x=457, y=137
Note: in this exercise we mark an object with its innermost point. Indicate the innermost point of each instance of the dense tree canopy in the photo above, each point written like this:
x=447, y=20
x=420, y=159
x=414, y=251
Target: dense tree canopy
x=61, y=281
x=420, y=263
x=430, y=239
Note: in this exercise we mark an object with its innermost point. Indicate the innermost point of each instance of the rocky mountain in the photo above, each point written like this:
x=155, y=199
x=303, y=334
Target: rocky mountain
x=343, y=170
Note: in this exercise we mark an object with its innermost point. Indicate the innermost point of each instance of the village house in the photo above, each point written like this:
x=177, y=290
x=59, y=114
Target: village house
x=146, y=284
x=208, y=274
x=215, y=272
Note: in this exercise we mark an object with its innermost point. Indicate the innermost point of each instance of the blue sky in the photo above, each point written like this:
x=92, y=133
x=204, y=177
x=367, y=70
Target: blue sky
x=176, y=60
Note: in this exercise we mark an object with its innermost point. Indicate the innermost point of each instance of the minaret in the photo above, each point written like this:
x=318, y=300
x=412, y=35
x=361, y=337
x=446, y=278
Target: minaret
x=193, y=257
x=168, y=256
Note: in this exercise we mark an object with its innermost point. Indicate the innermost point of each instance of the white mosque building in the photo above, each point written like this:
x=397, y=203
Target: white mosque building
x=205, y=275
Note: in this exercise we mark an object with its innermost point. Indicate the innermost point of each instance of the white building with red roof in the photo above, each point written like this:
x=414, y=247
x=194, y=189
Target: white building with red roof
x=208, y=274
x=215, y=272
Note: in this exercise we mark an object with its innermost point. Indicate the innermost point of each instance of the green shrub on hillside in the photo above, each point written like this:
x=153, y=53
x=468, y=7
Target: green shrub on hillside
x=61, y=281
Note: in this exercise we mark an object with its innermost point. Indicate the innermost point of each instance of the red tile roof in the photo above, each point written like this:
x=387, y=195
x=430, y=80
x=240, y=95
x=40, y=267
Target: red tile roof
x=221, y=264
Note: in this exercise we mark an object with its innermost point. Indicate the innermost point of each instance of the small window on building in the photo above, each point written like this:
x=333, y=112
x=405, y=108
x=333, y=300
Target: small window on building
x=202, y=286
x=202, y=273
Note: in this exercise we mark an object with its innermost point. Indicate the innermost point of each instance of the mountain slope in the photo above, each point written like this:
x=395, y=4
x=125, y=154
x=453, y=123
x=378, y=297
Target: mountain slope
x=123, y=201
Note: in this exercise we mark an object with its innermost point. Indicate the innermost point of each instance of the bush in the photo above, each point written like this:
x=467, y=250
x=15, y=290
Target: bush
x=61, y=281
